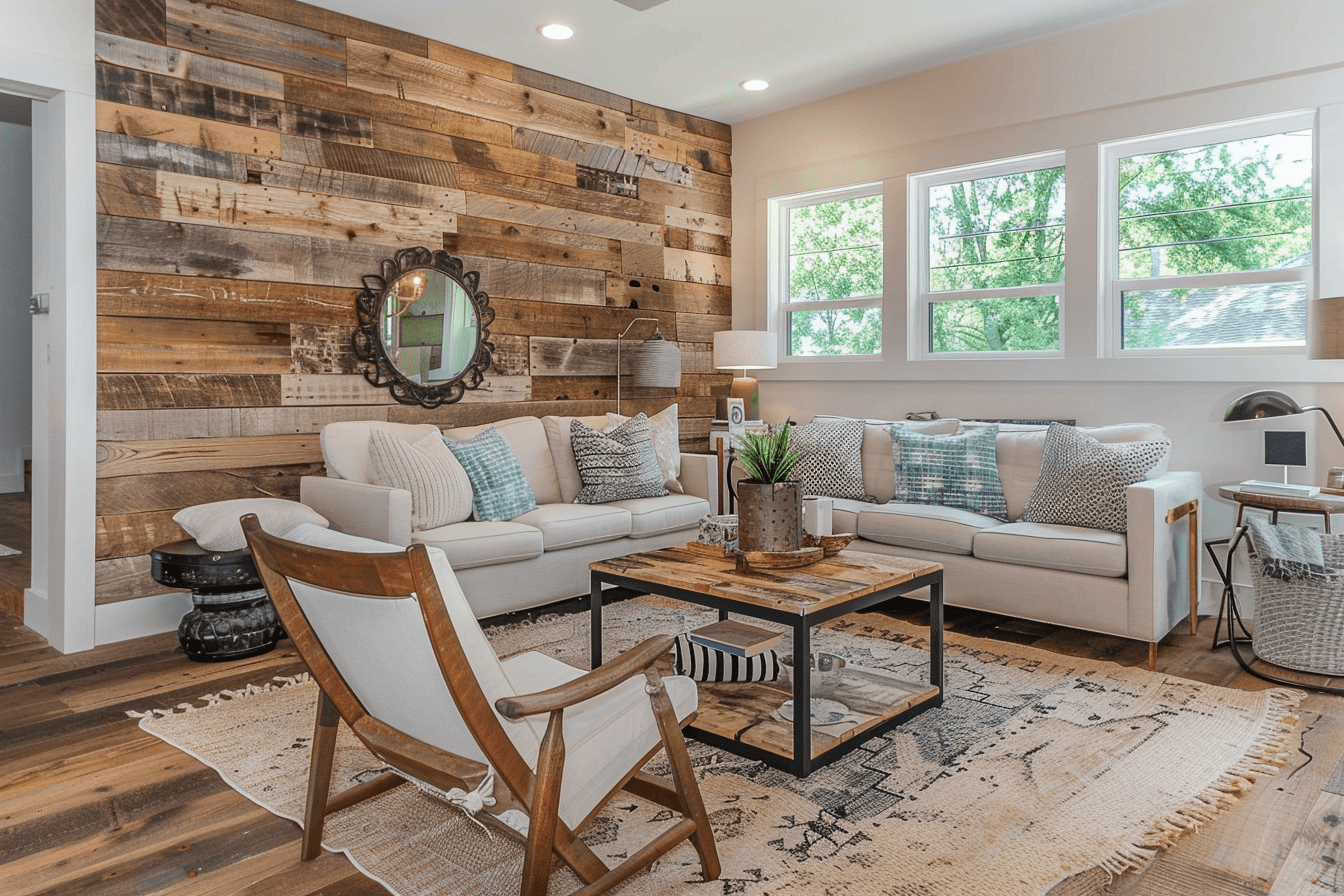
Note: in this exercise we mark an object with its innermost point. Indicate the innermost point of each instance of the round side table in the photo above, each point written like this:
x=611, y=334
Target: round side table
x=232, y=616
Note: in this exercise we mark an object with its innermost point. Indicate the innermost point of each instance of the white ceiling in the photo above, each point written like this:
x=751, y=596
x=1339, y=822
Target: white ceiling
x=691, y=55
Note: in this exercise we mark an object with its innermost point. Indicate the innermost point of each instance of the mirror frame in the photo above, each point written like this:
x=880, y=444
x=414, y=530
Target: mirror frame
x=369, y=346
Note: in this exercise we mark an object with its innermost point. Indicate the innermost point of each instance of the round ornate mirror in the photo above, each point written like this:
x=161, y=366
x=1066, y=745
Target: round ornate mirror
x=424, y=328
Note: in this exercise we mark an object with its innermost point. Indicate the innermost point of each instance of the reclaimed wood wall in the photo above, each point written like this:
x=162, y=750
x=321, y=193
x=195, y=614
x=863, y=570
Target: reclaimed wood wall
x=257, y=157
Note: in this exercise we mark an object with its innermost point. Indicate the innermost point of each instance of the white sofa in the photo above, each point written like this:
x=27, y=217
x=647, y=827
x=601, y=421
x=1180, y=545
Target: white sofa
x=1134, y=585
x=531, y=560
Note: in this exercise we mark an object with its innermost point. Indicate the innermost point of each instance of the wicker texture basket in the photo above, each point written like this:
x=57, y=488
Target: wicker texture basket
x=1300, y=624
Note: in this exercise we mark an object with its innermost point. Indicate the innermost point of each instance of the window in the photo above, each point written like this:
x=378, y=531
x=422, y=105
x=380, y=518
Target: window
x=827, y=272
x=1210, y=237
x=989, y=269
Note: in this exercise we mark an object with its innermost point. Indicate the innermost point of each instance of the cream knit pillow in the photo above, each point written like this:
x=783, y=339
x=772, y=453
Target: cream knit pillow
x=439, y=487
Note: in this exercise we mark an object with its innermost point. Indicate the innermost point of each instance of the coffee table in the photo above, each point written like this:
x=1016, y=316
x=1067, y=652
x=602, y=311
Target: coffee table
x=744, y=718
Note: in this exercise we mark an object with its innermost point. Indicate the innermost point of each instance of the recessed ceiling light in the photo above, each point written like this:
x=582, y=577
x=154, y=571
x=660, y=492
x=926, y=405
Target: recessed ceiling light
x=755, y=84
x=556, y=31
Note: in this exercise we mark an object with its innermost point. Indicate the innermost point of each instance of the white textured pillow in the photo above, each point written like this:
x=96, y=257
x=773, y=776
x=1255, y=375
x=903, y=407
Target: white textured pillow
x=439, y=487
x=216, y=528
x=666, y=435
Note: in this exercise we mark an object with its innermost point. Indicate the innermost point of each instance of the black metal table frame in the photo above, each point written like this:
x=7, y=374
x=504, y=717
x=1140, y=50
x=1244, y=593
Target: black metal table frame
x=803, y=762
x=1229, y=610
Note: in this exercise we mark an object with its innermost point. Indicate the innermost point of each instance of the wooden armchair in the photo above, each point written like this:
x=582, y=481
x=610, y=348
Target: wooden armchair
x=393, y=645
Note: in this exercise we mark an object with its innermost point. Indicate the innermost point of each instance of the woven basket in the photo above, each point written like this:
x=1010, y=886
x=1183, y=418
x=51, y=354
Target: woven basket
x=1300, y=624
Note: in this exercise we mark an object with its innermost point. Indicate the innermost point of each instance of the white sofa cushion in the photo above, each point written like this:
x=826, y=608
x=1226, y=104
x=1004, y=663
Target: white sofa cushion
x=570, y=525
x=1020, y=448
x=345, y=445
x=562, y=451
x=1094, y=552
x=929, y=527
x=655, y=516
x=440, y=489
x=527, y=439
x=475, y=543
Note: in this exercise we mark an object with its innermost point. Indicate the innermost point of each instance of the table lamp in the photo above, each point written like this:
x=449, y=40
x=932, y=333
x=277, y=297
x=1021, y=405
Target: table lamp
x=744, y=350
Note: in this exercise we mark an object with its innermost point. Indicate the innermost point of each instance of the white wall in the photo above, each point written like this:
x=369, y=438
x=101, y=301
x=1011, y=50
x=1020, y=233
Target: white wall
x=1200, y=63
x=16, y=251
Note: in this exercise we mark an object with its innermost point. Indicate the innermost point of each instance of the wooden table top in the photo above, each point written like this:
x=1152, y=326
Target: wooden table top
x=1322, y=503
x=805, y=589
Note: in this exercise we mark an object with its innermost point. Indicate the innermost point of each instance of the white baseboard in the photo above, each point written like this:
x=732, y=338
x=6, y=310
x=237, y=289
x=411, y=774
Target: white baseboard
x=151, y=615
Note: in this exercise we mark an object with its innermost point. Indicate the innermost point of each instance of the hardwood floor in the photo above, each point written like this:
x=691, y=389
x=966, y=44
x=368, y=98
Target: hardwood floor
x=90, y=804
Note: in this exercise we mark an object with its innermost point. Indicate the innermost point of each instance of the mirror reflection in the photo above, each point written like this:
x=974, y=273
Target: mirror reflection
x=429, y=326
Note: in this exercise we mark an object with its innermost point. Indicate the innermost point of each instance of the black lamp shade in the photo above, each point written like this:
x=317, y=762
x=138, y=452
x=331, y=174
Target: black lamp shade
x=1260, y=404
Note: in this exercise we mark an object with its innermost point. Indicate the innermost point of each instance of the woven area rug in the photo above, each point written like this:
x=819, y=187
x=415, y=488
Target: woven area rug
x=1036, y=768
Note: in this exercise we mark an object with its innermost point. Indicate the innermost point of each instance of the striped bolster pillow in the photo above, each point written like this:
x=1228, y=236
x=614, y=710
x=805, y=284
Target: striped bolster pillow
x=701, y=663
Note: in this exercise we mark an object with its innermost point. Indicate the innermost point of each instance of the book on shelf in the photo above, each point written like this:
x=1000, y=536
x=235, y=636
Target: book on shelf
x=1282, y=489
x=737, y=638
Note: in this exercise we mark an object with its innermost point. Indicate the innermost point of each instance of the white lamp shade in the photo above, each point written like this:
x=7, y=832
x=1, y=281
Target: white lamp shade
x=745, y=350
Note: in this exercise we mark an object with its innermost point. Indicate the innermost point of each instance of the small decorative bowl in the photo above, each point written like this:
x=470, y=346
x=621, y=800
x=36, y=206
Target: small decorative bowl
x=830, y=544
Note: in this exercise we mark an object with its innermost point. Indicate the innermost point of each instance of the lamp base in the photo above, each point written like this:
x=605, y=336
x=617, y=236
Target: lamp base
x=745, y=388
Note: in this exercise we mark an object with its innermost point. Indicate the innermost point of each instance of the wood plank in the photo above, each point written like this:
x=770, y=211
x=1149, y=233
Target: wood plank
x=134, y=534
x=350, y=185
x=1313, y=865
x=216, y=30
x=682, y=152
x=533, y=190
x=565, y=87
x=719, y=225
x=139, y=152
x=553, y=356
x=469, y=61
x=202, y=298
x=135, y=391
x=614, y=159
x=370, y=161
x=650, y=293
x=532, y=281
x=318, y=349
x=181, y=455
x=225, y=422
x=396, y=110
x=695, y=267
x=576, y=388
x=165, y=345
x=159, y=247
x=523, y=242
x=563, y=320
x=134, y=19
x=666, y=194
x=701, y=327
x=539, y=213
x=155, y=58
x=696, y=241
x=126, y=578
x=388, y=72
x=170, y=492
x=682, y=126
x=319, y=19
x=169, y=128
x=472, y=153
x=509, y=357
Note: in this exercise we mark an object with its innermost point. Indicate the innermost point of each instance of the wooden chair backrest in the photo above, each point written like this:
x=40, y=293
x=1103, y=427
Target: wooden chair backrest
x=410, y=673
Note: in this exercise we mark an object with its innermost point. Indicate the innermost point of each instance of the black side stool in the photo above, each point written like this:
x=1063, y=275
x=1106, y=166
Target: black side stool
x=232, y=616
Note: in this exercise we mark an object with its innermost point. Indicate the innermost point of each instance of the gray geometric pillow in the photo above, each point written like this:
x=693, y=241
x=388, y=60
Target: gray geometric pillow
x=618, y=464
x=953, y=471
x=832, y=462
x=1083, y=481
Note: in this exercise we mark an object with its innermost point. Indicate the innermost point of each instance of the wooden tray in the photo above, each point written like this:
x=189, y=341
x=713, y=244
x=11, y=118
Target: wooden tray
x=778, y=559
x=709, y=550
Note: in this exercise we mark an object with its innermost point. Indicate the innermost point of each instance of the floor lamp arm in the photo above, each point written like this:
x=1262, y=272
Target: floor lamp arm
x=1331, y=420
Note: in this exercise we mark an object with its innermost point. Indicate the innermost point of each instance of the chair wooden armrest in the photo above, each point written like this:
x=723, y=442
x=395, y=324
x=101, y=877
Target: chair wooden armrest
x=590, y=684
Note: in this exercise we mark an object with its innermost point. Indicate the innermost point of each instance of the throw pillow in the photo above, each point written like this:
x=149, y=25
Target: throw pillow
x=666, y=444
x=832, y=461
x=500, y=490
x=215, y=526
x=1083, y=481
x=617, y=464
x=701, y=663
x=955, y=471
x=440, y=489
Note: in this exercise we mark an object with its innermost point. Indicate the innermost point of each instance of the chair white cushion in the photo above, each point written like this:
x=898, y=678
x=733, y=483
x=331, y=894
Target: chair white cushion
x=1093, y=552
x=484, y=543
x=928, y=527
x=571, y=525
x=439, y=486
x=605, y=737
x=655, y=516
x=216, y=527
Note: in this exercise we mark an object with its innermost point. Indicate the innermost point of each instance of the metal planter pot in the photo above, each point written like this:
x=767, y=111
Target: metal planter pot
x=770, y=516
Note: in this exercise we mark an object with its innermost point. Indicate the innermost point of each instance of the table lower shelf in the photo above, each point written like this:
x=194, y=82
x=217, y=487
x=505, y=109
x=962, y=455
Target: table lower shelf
x=747, y=713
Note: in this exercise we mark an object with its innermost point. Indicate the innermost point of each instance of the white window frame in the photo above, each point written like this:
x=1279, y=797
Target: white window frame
x=1112, y=310
x=778, y=273
x=922, y=299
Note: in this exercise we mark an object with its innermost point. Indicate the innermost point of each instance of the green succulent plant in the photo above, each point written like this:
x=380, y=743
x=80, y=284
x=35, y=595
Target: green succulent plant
x=768, y=456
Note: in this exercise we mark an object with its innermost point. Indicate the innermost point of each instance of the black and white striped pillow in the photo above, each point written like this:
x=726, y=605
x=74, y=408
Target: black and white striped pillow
x=701, y=663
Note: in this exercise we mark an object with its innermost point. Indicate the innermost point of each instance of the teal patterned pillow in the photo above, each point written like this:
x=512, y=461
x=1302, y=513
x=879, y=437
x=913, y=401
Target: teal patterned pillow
x=500, y=491
x=955, y=471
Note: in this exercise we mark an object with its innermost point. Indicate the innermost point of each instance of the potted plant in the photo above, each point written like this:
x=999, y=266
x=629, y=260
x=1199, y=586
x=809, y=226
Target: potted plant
x=770, y=505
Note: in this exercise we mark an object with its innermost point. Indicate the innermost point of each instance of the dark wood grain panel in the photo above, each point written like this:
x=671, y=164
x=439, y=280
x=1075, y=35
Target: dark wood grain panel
x=318, y=19
x=216, y=30
x=370, y=161
x=158, y=59
x=328, y=182
x=138, y=391
x=136, y=19
x=139, y=152
x=396, y=110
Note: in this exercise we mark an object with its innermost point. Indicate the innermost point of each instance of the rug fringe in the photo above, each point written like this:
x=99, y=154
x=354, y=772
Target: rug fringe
x=275, y=684
x=1267, y=753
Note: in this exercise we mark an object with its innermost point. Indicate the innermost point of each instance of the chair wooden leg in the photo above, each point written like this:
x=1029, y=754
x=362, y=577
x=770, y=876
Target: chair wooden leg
x=319, y=776
x=545, y=806
x=683, y=776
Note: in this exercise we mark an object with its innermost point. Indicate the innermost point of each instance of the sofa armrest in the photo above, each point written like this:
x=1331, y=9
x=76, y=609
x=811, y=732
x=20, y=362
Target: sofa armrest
x=1159, y=565
x=700, y=477
x=358, y=508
